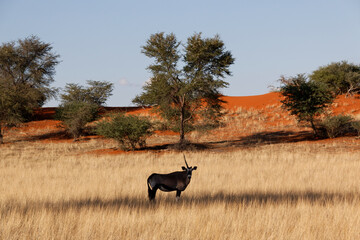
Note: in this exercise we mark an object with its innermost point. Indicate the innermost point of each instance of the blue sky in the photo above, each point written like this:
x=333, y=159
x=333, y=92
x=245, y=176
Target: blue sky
x=101, y=40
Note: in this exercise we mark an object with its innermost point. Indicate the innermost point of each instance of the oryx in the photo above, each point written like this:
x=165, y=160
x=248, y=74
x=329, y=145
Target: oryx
x=175, y=181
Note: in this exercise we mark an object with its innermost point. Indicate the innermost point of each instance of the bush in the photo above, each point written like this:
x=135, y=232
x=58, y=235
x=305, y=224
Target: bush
x=75, y=115
x=335, y=126
x=129, y=130
x=356, y=126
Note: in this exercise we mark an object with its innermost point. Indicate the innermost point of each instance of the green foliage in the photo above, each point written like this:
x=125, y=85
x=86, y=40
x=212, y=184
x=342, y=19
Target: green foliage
x=305, y=99
x=75, y=116
x=183, y=91
x=80, y=105
x=340, y=77
x=335, y=126
x=129, y=130
x=27, y=68
x=97, y=92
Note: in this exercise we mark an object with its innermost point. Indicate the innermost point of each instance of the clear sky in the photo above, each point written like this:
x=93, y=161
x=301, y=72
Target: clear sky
x=101, y=40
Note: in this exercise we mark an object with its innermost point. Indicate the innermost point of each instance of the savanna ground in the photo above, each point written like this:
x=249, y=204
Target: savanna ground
x=259, y=177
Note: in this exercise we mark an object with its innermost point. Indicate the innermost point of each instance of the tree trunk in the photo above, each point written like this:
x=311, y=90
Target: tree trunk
x=182, y=120
x=1, y=135
x=182, y=126
x=314, y=127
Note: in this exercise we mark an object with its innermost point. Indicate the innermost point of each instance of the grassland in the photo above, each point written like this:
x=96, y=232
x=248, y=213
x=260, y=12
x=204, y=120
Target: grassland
x=261, y=177
x=271, y=191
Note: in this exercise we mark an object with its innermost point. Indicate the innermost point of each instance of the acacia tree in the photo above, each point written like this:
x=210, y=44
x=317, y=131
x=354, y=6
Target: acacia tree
x=186, y=86
x=305, y=99
x=97, y=92
x=27, y=68
x=80, y=105
x=340, y=77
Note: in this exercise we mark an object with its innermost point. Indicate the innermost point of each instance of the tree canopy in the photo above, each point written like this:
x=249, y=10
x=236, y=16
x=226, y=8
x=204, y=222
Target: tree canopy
x=185, y=83
x=27, y=67
x=340, y=77
x=97, y=92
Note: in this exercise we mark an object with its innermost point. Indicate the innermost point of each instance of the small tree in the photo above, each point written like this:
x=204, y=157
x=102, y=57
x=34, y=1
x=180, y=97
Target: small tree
x=129, y=130
x=183, y=92
x=27, y=68
x=80, y=105
x=340, y=77
x=75, y=115
x=305, y=99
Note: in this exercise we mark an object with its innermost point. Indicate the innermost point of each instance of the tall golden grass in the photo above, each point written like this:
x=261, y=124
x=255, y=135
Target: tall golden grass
x=283, y=191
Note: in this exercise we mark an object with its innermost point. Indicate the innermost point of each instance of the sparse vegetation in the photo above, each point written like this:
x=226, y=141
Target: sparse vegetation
x=256, y=179
x=130, y=131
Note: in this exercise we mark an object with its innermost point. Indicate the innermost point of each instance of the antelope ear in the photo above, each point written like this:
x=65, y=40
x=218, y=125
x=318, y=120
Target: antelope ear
x=183, y=168
x=195, y=167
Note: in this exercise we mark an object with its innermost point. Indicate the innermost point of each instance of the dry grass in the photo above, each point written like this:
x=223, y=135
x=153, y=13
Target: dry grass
x=292, y=191
x=243, y=122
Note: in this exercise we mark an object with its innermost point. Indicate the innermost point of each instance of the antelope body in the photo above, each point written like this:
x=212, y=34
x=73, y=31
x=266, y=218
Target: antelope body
x=175, y=181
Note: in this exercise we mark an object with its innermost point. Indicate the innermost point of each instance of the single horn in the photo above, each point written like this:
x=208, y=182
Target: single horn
x=185, y=161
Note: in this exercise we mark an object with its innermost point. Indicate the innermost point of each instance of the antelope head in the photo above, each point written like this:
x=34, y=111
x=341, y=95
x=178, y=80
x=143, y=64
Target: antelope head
x=188, y=169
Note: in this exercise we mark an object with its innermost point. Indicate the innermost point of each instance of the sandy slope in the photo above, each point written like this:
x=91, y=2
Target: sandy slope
x=246, y=116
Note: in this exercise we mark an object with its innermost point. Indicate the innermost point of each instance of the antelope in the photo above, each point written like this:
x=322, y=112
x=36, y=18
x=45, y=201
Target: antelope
x=175, y=181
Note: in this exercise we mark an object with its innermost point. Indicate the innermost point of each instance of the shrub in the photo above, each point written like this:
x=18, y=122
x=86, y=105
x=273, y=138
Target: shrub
x=335, y=126
x=356, y=126
x=75, y=115
x=129, y=130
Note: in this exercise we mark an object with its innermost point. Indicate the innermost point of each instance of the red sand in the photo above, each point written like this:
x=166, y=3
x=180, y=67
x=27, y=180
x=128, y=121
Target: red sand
x=257, y=102
x=342, y=105
x=48, y=129
x=349, y=105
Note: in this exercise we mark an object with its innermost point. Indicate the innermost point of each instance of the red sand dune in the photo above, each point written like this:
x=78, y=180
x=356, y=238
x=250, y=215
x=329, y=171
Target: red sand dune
x=267, y=103
x=258, y=101
x=347, y=105
x=232, y=103
x=342, y=104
